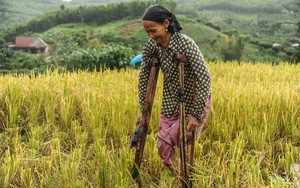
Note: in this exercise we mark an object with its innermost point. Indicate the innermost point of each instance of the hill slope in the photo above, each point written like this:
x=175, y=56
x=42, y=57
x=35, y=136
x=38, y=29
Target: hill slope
x=270, y=20
x=25, y=10
x=129, y=32
x=259, y=23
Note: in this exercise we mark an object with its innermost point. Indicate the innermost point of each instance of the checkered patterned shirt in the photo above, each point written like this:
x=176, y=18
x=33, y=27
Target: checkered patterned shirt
x=195, y=67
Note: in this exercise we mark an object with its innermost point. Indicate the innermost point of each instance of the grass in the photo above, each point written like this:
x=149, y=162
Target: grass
x=73, y=129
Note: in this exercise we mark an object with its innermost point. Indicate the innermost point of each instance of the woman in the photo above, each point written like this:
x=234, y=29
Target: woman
x=165, y=41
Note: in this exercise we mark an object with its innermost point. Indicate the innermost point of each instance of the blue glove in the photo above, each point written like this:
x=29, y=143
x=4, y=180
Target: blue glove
x=135, y=137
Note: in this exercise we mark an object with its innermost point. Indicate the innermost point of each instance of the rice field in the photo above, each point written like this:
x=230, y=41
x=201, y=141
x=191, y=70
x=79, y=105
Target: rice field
x=74, y=129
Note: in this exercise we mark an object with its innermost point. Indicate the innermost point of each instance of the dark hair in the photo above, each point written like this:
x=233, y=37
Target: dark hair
x=158, y=13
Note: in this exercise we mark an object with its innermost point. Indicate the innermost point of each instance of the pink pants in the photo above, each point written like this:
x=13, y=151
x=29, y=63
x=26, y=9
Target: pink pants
x=168, y=135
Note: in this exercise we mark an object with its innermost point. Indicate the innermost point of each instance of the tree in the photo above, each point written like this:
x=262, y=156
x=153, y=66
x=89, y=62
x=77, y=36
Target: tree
x=233, y=47
x=62, y=7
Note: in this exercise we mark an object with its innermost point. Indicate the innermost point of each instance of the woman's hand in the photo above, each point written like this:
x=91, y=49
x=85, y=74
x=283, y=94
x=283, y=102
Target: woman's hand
x=191, y=123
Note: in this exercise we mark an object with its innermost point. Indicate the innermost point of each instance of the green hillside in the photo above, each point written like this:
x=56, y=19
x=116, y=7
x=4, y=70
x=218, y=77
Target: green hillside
x=224, y=30
x=269, y=20
x=25, y=10
x=130, y=32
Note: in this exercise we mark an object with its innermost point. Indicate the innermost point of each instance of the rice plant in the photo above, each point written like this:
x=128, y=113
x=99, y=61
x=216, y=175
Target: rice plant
x=73, y=129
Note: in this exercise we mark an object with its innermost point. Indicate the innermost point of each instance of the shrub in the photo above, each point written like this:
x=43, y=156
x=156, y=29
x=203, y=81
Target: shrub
x=233, y=47
x=22, y=61
x=110, y=56
x=5, y=55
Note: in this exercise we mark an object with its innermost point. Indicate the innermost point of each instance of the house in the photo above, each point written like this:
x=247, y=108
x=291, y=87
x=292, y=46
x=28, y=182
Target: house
x=30, y=45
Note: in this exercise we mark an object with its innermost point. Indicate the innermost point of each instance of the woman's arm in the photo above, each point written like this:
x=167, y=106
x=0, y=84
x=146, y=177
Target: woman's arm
x=202, y=78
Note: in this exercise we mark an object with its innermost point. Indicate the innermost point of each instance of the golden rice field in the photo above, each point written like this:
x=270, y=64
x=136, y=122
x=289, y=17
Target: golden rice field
x=73, y=130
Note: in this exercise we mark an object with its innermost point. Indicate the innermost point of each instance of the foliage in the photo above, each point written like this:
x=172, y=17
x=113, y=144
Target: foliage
x=5, y=55
x=233, y=47
x=63, y=42
x=62, y=7
x=134, y=42
x=296, y=55
x=83, y=50
x=20, y=62
x=268, y=21
x=110, y=56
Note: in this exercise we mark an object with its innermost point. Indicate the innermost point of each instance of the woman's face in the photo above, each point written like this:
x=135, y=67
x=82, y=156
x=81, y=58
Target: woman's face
x=157, y=31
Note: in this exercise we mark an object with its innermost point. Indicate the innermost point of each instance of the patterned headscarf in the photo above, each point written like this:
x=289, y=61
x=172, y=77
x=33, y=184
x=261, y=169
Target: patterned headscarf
x=158, y=13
